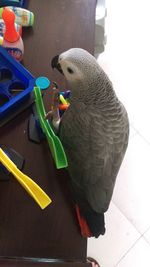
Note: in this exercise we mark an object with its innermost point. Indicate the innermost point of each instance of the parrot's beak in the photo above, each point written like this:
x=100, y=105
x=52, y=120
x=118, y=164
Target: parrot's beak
x=55, y=64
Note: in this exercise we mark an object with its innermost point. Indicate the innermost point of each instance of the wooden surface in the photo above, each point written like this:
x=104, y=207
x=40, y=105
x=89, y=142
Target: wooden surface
x=41, y=263
x=26, y=230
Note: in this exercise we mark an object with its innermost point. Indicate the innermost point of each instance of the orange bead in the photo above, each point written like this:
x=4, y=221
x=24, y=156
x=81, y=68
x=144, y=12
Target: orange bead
x=63, y=106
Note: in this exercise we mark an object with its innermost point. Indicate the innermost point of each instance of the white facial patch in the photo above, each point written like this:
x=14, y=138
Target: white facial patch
x=70, y=70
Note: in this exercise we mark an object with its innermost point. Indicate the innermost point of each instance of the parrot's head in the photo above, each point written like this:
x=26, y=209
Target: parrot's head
x=85, y=77
x=78, y=67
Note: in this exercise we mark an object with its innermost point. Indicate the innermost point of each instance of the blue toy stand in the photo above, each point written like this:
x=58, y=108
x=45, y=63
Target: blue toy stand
x=16, y=83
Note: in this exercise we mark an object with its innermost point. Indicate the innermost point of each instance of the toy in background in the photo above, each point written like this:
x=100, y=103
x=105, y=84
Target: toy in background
x=3, y=28
x=12, y=40
x=18, y=3
x=23, y=16
x=16, y=84
x=11, y=21
x=13, y=162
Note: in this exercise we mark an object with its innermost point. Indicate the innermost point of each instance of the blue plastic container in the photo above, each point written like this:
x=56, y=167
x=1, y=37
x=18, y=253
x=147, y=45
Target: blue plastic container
x=16, y=83
x=18, y=3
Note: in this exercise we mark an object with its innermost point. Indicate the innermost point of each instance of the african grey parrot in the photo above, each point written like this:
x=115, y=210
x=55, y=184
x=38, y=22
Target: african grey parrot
x=94, y=132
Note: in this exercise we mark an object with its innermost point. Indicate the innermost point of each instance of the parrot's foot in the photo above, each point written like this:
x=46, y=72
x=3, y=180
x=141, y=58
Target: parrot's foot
x=93, y=262
x=85, y=231
x=56, y=124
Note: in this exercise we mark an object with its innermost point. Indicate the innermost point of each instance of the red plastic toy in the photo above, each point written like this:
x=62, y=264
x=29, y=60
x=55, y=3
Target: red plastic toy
x=12, y=40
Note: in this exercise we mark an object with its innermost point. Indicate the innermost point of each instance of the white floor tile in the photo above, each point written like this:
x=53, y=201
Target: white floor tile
x=119, y=237
x=132, y=88
x=138, y=256
x=131, y=194
x=127, y=58
x=133, y=132
x=147, y=236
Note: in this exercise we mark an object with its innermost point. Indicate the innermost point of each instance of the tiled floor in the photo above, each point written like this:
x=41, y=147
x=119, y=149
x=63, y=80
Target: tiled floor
x=127, y=61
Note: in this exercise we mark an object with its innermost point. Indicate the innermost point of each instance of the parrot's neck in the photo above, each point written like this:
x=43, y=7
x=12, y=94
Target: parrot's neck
x=98, y=93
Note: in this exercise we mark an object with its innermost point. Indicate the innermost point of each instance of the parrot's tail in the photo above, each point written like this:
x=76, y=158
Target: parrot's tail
x=91, y=223
x=85, y=231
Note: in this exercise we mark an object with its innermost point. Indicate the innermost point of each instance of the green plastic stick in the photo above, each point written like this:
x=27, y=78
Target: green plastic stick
x=54, y=142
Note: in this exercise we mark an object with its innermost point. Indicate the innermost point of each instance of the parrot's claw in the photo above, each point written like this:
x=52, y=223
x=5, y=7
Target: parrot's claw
x=56, y=124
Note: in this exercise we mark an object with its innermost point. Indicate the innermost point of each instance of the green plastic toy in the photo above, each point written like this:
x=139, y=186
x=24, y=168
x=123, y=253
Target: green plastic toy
x=54, y=142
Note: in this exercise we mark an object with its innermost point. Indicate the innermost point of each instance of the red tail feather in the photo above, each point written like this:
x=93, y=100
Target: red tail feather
x=85, y=230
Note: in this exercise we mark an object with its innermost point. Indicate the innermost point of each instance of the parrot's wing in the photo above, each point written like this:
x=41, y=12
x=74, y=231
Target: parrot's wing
x=107, y=147
x=94, y=154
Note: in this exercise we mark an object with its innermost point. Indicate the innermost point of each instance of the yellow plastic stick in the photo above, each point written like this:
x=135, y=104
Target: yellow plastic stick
x=63, y=100
x=29, y=185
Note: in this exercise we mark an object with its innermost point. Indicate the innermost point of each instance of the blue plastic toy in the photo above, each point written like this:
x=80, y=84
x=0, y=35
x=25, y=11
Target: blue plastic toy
x=16, y=83
x=66, y=94
x=42, y=82
x=19, y=3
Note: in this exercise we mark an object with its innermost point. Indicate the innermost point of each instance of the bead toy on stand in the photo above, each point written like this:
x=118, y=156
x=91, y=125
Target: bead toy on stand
x=39, y=127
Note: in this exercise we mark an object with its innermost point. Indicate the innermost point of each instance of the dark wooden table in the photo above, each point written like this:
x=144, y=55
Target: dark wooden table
x=30, y=236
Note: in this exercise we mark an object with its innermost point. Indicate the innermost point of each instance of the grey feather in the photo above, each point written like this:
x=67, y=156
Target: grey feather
x=94, y=130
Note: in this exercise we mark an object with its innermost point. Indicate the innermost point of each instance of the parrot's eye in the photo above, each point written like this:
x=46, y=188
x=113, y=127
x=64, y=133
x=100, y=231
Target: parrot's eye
x=70, y=70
